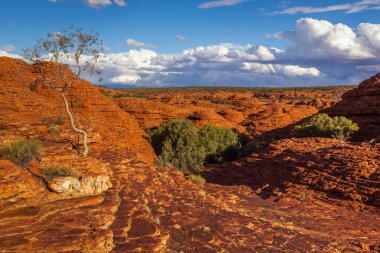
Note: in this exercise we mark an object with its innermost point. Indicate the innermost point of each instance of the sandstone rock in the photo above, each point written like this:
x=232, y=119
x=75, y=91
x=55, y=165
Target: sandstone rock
x=362, y=105
x=29, y=106
x=84, y=185
x=65, y=184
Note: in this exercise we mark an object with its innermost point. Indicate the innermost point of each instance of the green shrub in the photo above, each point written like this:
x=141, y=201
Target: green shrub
x=53, y=129
x=179, y=144
x=22, y=152
x=196, y=179
x=53, y=172
x=217, y=141
x=322, y=125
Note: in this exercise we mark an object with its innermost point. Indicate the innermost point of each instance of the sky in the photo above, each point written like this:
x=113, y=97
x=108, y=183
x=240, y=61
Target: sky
x=156, y=43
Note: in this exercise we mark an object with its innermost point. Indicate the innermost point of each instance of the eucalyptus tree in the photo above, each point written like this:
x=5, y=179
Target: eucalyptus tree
x=61, y=59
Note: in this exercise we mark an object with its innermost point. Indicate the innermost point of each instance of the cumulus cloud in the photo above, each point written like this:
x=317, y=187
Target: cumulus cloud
x=319, y=53
x=8, y=48
x=360, y=6
x=318, y=40
x=223, y=64
x=220, y=3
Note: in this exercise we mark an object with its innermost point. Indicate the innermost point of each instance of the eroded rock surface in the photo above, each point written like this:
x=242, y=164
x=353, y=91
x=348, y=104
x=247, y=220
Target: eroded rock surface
x=299, y=195
x=362, y=105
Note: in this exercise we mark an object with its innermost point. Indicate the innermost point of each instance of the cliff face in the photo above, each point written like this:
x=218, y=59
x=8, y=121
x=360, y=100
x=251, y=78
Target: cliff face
x=29, y=110
x=362, y=105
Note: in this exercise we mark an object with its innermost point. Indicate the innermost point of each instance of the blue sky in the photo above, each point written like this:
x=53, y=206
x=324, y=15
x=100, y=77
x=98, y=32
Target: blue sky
x=159, y=31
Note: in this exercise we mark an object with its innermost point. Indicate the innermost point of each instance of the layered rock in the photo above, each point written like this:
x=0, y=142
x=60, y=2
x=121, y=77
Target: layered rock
x=321, y=168
x=26, y=110
x=311, y=195
x=362, y=105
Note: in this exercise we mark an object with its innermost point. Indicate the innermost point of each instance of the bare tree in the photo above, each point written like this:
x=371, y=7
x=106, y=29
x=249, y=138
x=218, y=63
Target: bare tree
x=63, y=58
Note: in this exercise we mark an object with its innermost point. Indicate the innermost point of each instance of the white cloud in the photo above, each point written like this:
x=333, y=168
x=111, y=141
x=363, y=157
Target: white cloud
x=8, y=54
x=138, y=44
x=319, y=39
x=120, y=2
x=8, y=48
x=219, y=3
x=180, y=37
x=360, y=6
x=320, y=53
x=97, y=4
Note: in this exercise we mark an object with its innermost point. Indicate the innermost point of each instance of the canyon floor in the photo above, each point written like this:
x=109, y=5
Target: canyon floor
x=294, y=195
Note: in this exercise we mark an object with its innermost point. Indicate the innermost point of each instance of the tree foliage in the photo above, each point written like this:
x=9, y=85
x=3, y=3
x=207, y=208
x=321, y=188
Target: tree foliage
x=61, y=59
x=179, y=144
x=322, y=125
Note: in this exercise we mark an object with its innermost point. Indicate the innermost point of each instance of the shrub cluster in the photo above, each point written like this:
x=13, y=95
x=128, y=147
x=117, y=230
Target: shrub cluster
x=53, y=172
x=180, y=144
x=322, y=125
x=21, y=152
x=196, y=179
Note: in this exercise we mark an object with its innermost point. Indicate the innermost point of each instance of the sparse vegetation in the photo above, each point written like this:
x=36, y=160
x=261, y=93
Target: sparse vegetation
x=54, y=172
x=53, y=129
x=59, y=121
x=21, y=152
x=322, y=125
x=181, y=145
x=70, y=54
x=196, y=179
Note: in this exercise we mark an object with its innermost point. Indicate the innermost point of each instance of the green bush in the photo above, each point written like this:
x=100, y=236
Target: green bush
x=53, y=172
x=322, y=125
x=22, y=152
x=218, y=141
x=53, y=129
x=196, y=179
x=179, y=144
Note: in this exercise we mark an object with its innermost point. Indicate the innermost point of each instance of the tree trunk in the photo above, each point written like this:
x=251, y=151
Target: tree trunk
x=80, y=131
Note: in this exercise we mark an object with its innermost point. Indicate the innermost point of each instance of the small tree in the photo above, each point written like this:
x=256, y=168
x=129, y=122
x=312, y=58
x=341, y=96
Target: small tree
x=61, y=59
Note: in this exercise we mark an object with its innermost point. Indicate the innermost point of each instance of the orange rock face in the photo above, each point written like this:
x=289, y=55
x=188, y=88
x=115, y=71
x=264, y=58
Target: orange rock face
x=28, y=111
x=250, y=111
x=362, y=105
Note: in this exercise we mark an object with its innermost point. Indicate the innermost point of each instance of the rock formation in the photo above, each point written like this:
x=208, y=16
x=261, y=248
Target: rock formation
x=362, y=105
x=298, y=195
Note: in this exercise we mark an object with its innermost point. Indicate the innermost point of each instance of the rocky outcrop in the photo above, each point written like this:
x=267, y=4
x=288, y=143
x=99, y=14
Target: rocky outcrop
x=249, y=111
x=305, y=195
x=27, y=110
x=321, y=168
x=83, y=185
x=362, y=105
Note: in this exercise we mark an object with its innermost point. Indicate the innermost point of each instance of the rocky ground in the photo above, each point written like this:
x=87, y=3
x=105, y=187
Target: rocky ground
x=297, y=195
